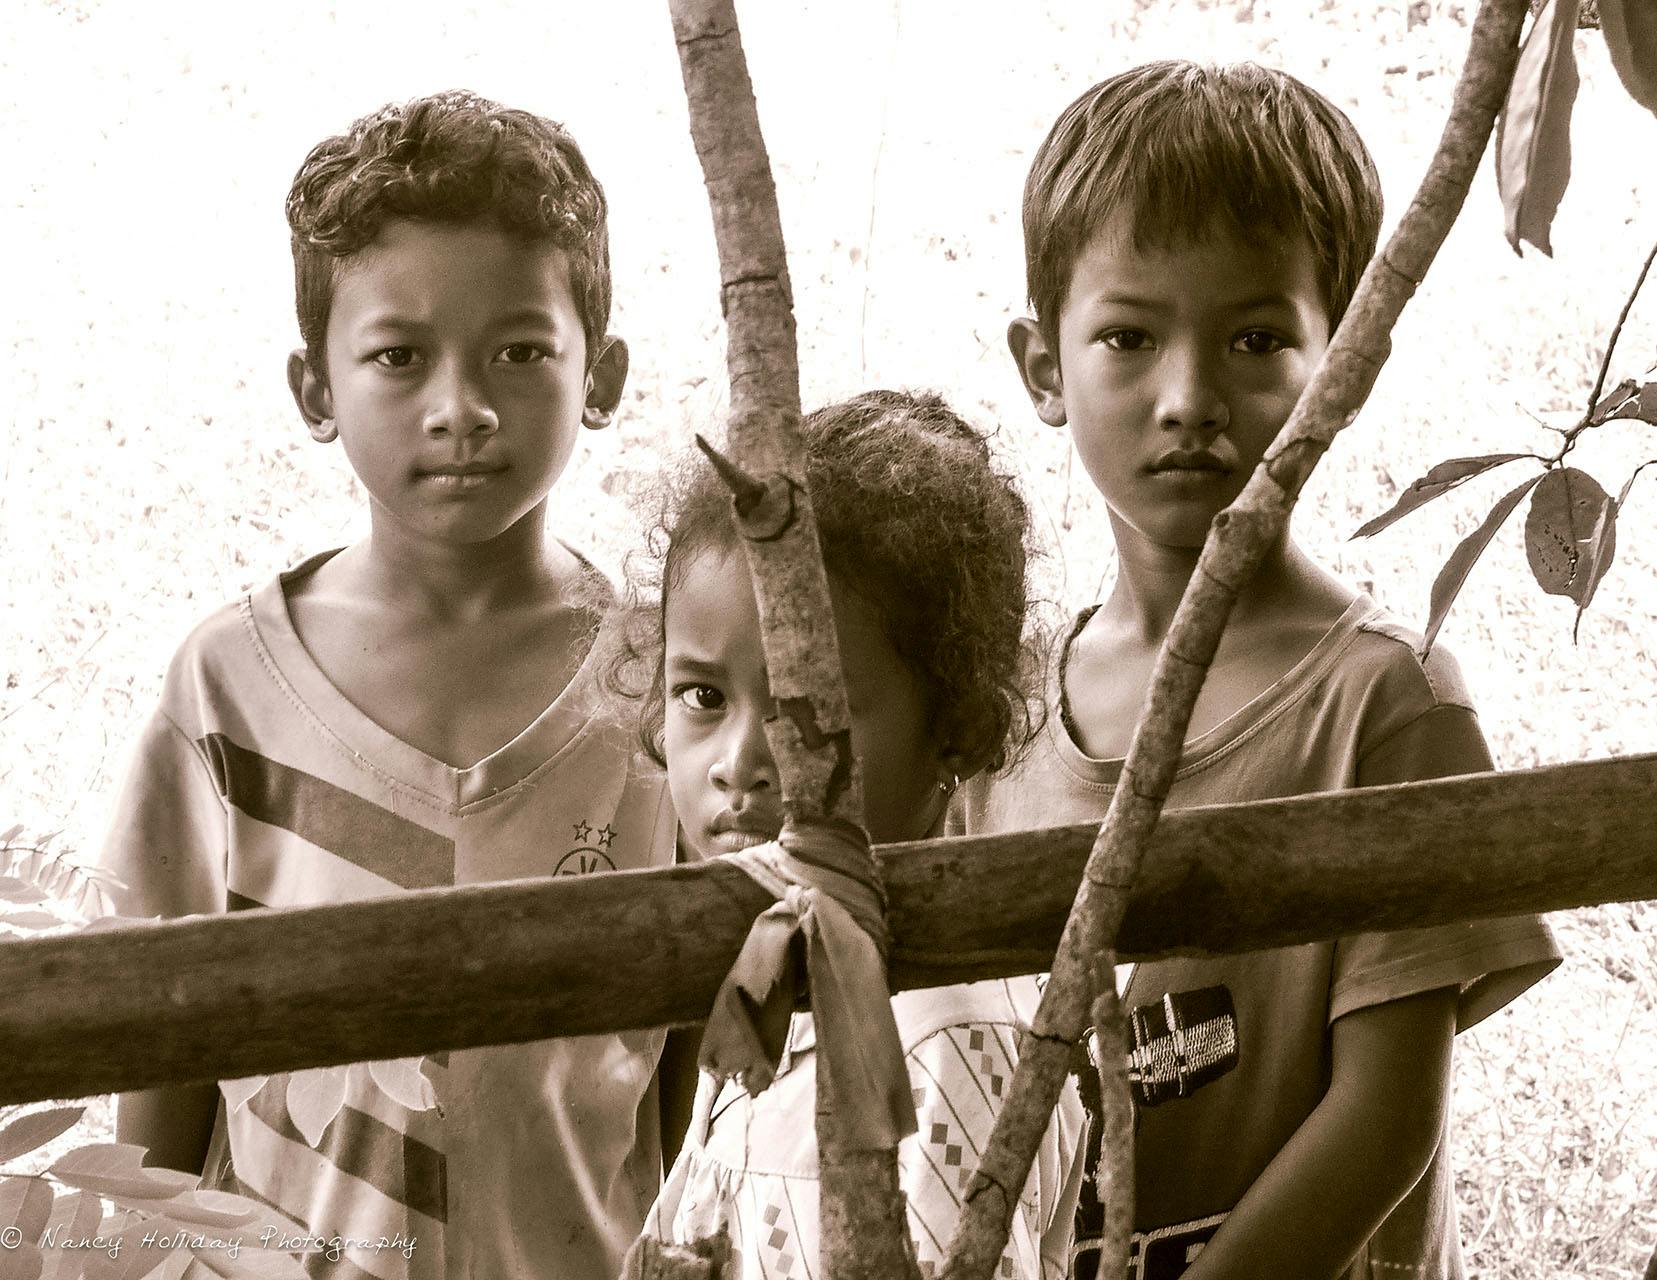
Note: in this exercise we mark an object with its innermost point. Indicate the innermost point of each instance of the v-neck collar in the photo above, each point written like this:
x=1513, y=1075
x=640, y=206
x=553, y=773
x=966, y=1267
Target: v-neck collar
x=1205, y=745
x=378, y=748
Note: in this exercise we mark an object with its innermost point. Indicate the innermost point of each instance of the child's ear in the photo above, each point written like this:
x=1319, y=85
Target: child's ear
x=606, y=376
x=1038, y=366
x=954, y=768
x=311, y=394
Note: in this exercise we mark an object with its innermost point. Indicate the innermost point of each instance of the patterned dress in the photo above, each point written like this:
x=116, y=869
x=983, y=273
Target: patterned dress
x=750, y=1162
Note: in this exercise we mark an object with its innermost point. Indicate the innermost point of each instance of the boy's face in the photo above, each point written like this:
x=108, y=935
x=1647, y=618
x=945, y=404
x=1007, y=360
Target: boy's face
x=457, y=377
x=724, y=781
x=1175, y=369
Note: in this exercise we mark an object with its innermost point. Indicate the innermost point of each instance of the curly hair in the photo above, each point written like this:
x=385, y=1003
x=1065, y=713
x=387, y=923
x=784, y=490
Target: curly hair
x=1182, y=148
x=450, y=158
x=913, y=517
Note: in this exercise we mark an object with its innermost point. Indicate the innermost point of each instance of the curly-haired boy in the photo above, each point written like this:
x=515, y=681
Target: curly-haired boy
x=420, y=709
x=1192, y=236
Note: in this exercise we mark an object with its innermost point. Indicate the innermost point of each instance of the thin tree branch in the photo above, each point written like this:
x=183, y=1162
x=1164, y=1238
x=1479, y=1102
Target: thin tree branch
x=1240, y=537
x=864, y=1231
x=1569, y=442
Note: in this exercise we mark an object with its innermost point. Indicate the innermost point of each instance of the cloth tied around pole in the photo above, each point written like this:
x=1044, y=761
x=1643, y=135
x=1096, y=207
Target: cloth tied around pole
x=830, y=899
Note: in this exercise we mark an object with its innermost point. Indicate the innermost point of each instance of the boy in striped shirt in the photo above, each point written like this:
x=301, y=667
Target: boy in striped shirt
x=419, y=709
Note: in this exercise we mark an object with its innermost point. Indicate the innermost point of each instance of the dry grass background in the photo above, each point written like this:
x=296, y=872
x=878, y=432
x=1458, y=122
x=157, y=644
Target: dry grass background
x=155, y=467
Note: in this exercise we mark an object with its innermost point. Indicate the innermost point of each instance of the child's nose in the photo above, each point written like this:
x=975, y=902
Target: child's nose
x=457, y=406
x=1190, y=393
x=743, y=763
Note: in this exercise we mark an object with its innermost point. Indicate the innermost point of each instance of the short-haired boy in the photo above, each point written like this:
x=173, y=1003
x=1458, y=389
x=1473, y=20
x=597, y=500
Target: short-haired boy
x=1192, y=237
x=419, y=709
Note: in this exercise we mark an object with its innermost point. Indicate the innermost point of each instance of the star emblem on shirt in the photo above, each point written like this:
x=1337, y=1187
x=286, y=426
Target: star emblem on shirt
x=605, y=835
x=583, y=832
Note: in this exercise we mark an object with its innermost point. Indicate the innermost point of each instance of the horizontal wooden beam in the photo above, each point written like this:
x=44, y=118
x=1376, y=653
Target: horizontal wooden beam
x=261, y=991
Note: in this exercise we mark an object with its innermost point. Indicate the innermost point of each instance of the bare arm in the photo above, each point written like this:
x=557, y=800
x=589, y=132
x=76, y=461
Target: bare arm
x=175, y=1123
x=1359, y=1152
x=676, y=1077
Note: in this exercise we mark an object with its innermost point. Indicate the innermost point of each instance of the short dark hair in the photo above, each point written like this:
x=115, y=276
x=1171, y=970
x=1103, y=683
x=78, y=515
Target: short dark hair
x=1183, y=148
x=912, y=516
x=451, y=158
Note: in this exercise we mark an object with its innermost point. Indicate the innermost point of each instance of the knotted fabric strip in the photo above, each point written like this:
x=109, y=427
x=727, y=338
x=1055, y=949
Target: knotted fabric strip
x=833, y=902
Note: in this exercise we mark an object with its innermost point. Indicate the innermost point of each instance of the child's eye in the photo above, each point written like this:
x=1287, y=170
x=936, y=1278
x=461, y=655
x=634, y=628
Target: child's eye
x=698, y=697
x=396, y=357
x=1126, y=339
x=1257, y=342
x=524, y=353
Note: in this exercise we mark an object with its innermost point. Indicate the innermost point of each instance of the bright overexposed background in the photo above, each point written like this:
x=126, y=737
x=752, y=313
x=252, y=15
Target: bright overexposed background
x=154, y=467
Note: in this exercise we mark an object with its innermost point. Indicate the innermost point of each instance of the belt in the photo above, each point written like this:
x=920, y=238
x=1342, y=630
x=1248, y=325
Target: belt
x=1160, y=1254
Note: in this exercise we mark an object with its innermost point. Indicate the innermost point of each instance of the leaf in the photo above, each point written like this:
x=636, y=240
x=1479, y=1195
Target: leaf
x=251, y=1264
x=116, y=1159
x=21, y=891
x=115, y=1169
x=1602, y=546
x=1628, y=484
x=1642, y=405
x=33, y=1131
x=199, y=1209
x=11, y=833
x=237, y=1093
x=32, y=921
x=1533, y=132
x=1440, y=480
x=314, y=1099
x=400, y=1078
x=76, y=1217
x=131, y=1258
x=1450, y=578
x=25, y=1203
x=22, y=1263
x=1563, y=515
x=1630, y=28
x=1613, y=399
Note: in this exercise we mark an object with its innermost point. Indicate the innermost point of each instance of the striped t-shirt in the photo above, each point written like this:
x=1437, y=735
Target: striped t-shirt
x=257, y=783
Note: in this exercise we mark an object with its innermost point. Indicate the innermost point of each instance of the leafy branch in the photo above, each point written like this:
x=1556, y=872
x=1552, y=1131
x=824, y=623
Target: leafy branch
x=54, y=1224
x=1571, y=527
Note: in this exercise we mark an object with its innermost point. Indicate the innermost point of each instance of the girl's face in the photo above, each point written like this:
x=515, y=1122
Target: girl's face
x=719, y=767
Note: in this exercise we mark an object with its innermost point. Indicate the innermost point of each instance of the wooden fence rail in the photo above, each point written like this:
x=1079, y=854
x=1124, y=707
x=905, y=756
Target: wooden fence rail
x=260, y=991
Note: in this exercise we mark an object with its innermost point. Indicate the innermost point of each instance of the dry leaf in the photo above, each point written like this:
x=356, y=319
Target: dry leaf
x=1533, y=133
x=1564, y=514
x=1437, y=482
x=1450, y=578
x=1630, y=28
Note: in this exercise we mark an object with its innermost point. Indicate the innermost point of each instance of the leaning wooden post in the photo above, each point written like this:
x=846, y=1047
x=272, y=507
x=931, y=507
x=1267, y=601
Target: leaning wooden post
x=1082, y=988
x=864, y=1226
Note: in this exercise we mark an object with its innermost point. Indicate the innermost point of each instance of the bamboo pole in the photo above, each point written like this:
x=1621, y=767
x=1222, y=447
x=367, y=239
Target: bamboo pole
x=864, y=1229
x=1081, y=990
x=253, y=992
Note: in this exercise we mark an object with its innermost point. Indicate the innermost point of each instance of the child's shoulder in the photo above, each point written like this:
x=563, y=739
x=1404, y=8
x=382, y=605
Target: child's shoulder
x=222, y=641
x=1386, y=653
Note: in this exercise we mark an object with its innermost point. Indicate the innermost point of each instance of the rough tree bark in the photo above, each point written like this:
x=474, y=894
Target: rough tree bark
x=864, y=1228
x=1081, y=988
x=254, y=992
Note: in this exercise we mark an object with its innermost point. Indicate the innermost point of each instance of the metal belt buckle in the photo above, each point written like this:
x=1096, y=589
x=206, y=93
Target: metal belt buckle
x=1165, y=1253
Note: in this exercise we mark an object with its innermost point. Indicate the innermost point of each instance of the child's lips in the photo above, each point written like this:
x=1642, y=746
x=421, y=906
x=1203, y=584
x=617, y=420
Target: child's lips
x=730, y=832
x=1189, y=460
x=460, y=478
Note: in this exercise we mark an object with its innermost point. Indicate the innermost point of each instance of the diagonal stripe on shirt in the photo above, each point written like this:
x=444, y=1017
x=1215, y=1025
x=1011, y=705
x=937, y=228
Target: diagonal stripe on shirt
x=400, y=1167
x=315, y=1261
x=346, y=825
